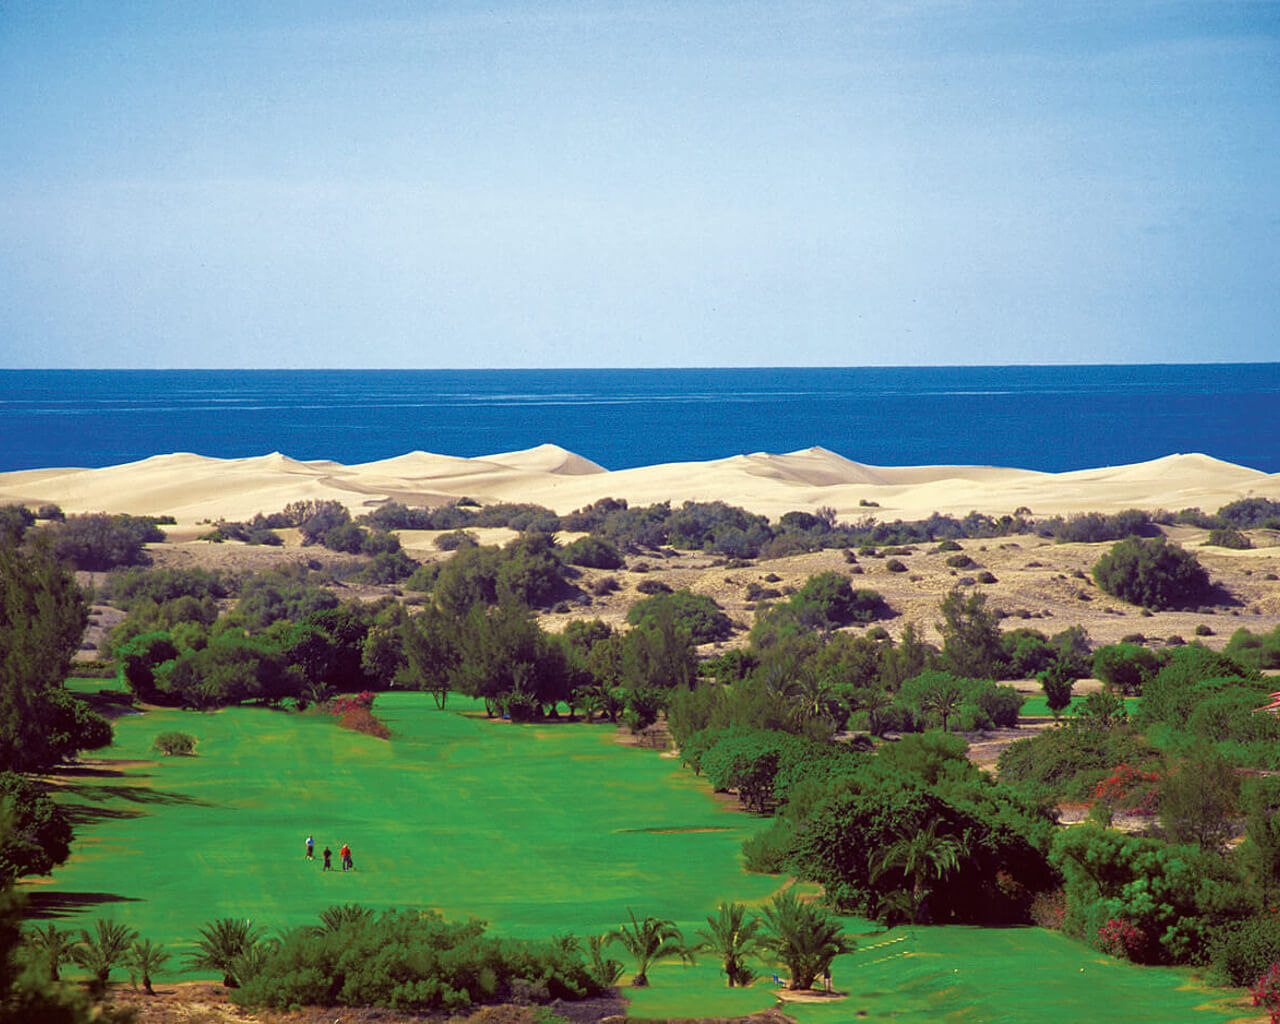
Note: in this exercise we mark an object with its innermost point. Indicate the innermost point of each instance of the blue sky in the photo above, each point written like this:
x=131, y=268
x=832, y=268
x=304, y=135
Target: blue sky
x=296, y=184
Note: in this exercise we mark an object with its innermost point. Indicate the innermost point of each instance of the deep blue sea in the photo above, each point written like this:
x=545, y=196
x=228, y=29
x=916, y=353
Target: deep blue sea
x=1047, y=418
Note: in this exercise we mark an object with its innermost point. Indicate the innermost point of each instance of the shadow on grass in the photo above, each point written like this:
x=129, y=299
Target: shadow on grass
x=80, y=815
x=83, y=771
x=110, y=705
x=45, y=905
x=137, y=795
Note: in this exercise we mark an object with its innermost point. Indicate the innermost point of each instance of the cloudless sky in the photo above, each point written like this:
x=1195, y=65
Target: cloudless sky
x=383, y=184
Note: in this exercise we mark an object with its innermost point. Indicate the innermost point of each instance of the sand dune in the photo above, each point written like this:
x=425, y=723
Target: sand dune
x=193, y=487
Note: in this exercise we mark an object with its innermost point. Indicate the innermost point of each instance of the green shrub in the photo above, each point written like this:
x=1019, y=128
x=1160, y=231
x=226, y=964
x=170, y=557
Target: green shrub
x=456, y=539
x=960, y=561
x=97, y=541
x=1092, y=527
x=895, y=565
x=828, y=599
x=175, y=744
x=593, y=553
x=411, y=961
x=986, y=577
x=1256, y=651
x=1152, y=573
x=697, y=613
x=948, y=545
x=1126, y=666
x=1246, y=950
x=1251, y=512
x=1228, y=537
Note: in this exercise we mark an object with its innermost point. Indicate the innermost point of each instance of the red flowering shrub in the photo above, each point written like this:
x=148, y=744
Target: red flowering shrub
x=1129, y=789
x=1120, y=938
x=1266, y=992
x=361, y=701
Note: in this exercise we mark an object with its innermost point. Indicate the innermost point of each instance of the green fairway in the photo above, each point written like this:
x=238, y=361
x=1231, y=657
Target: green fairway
x=537, y=829
x=1037, y=706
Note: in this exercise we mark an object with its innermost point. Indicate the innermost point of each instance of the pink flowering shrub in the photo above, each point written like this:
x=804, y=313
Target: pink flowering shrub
x=1120, y=938
x=1266, y=992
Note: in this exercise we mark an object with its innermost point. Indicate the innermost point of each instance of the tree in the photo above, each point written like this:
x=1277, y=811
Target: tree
x=51, y=944
x=220, y=943
x=804, y=937
x=649, y=941
x=1197, y=800
x=971, y=644
x=1260, y=852
x=919, y=857
x=658, y=653
x=42, y=617
x=101, y=951
x=1057, y=682
x=39, y=836
x=1152, y=573
x=1126, y=667
x=26, y=991
x=143, y=960
x=696, y=614
x=934, y=693
x=430, y=648
x=732, y=937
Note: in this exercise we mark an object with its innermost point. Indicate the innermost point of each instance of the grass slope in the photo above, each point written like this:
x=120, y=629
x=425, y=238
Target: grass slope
x=538, y=829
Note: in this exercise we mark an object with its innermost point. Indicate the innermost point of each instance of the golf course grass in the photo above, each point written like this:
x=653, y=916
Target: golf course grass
x=537, y=829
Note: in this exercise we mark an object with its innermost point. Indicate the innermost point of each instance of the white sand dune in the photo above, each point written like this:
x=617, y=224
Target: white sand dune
x=193, y=487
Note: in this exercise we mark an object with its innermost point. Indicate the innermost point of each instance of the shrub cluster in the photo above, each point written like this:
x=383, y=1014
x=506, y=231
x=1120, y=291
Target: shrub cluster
x=1152, y=573
x=410, y=961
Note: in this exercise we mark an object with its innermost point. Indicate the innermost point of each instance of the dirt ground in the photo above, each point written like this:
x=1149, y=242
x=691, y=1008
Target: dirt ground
x=203, y=1002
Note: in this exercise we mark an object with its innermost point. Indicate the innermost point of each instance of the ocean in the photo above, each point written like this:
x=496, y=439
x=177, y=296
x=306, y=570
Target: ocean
x=1050, y=418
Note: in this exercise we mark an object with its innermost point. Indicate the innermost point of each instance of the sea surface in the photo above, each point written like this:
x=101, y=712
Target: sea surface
x=1031, y=417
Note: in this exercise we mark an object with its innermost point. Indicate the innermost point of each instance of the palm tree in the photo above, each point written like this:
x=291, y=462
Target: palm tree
x=219, y=945
x=732, y=938
x=144, y=960
x=248, y=965
x=919, y=856
x=648, y=941
x=348, y=913
x=53, y=945
x=804, y=937
x=872, y=700
x=812, y=694
x=943, y=699
x=102, y=951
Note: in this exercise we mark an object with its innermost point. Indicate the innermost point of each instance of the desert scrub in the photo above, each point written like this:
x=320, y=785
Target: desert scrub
x=175, y=744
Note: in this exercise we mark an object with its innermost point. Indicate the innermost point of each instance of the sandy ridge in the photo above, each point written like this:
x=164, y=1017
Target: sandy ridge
x=194, y=487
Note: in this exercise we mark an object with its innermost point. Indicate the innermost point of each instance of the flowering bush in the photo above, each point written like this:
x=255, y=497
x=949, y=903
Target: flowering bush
x=339, y=706
x=1129, y=789
x=1121, y=938
x=1049, y=909
x=1266, y=992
